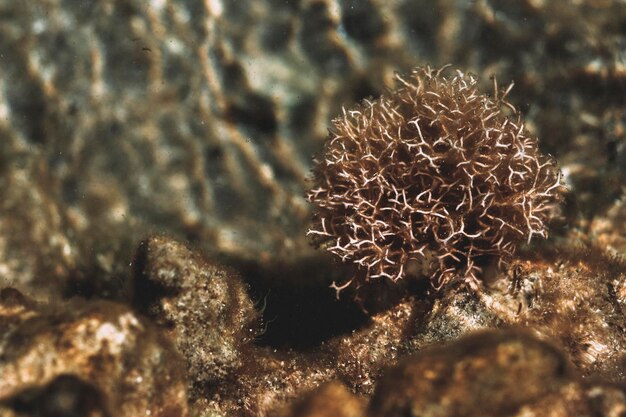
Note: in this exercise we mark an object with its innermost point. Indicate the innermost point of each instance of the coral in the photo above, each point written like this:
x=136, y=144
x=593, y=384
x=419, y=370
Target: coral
x=432, y=178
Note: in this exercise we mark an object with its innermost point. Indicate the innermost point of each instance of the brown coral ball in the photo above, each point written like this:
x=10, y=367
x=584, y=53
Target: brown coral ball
x=432, y=177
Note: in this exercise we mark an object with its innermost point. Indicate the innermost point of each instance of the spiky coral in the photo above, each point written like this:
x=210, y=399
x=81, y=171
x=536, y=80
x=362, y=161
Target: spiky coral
x=432, y=177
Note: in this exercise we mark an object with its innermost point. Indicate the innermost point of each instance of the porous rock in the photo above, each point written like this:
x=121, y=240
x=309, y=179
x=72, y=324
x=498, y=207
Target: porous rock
x=496, y=373
x=330, y=399
x=203, y=307
x=94, y=358
x=576, y=298
x=66, y=395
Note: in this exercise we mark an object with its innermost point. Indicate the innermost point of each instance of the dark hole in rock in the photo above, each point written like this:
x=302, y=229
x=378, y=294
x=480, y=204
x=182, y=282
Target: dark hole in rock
x=361, y=20
x=277, y=35
x=145, y=292
x=70, y=190
x=612, y=151
x=65, y=396
x=303, y=317
x=441, y=148
x=11, y=297
x=298, y=315
x=90, y=280
x=421, y=21
x=213, y=154
x=256, y=112
x=29, y=108
x=233, y=75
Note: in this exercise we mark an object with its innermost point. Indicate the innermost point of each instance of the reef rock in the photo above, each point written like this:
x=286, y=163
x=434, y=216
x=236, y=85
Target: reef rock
x=203, y=307
x=92, y=358
x=577, y=300
x=330, y=399
x=501, y=373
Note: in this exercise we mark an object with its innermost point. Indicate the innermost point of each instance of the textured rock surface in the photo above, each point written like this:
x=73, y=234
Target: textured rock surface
x=95, y=358
x=66, y=395
x=577, y=300
x=203, y=307
x=331, y=399
x=609, y=230
x=492, y=374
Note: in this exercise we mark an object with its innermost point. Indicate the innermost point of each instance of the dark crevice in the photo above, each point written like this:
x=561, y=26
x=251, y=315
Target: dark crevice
x=256, y=112
x=145, y=292
x=362, y=21
x=298, y=315
x=301, y=317
x=65, y=396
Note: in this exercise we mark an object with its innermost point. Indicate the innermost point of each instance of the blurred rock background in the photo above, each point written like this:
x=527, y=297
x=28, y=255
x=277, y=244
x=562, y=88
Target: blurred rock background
x=199, y=118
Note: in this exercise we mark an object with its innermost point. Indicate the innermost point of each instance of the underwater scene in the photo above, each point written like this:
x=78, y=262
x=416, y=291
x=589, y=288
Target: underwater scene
x=312, y=208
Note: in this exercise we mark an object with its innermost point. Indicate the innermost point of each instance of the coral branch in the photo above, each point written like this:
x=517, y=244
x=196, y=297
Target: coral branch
x=433, y=173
